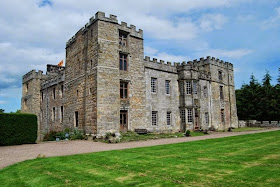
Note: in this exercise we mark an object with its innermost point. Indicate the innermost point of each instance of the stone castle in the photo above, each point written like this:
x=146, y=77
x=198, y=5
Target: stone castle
x=108, y=85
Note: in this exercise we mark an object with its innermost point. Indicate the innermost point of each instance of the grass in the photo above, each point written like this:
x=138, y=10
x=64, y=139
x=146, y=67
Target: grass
x=242, y=129
x=132, y=136
x=247, y=160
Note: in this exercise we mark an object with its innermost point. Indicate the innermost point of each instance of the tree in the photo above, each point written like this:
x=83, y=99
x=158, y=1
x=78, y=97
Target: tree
x=278, y=80
x=2, y=110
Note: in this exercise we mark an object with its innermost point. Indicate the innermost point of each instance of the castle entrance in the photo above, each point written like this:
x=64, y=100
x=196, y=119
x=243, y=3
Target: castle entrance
x=123, y=121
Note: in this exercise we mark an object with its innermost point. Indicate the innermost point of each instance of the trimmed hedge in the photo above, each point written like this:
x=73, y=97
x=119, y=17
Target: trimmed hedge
x=18, y=129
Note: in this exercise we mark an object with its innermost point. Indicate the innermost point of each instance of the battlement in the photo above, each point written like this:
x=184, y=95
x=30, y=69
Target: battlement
x=160, y=65
x=113, y=19
x=54, y=68
x=33, y=74
x=194, y=64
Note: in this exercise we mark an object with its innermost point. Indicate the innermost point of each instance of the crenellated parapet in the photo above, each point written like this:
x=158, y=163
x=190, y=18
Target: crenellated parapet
x=54, y=68
x=112, y=19
x=33, y=74
x=160, y=65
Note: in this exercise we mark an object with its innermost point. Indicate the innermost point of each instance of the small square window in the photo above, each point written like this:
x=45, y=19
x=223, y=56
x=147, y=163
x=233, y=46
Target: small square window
x=188, y=87
x=167, y=86
x=168, y=118
x=154, y=85
x=154, y=118
x=123, y=62
x=123, y=90
x=122, y=38
x=190, y=115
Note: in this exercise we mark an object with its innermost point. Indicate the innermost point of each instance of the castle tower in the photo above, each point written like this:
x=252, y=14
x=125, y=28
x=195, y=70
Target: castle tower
x=102, y=58
x=30, y=101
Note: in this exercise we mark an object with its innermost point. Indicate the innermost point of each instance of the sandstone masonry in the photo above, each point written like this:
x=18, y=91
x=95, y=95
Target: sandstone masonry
x=107, y=85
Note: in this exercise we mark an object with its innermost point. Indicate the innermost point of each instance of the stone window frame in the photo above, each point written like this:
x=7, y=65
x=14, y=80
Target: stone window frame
x=123, y=62
x=167, y=87
x=181, y=87
x=206, y=118
x=53, y=114
x=183, y=115
x=76, y=119
x=188, y=87
x=61, y=90
x=123, y=38
x=222, y=115
x=168, y=118
x=61, y=113
x=205, y=91
x=220, y=75
x=195, y=87
x=154, y=118
x=153, y=85
x=190, y=115
x=124, y=90
x=53, y=92
x=221, y=92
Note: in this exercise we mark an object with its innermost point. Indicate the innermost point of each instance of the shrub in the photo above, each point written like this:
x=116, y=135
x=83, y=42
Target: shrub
x=16, y=129
x=188, y=133
x=77, y=135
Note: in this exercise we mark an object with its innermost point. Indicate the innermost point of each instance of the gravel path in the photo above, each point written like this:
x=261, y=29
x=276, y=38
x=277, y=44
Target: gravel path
x=13, y=154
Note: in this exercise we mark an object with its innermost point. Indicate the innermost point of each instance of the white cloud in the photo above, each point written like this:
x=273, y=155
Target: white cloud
x=154, y=53
x=209, y=22
x=3, y=102
x=237, y=53
x=273, y=21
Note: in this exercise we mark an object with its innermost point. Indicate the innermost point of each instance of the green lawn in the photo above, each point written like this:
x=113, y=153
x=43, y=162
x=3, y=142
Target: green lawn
x=248, y=129
x=248, y=160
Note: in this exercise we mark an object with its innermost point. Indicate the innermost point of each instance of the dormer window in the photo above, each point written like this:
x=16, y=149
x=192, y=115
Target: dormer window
x=122, y=38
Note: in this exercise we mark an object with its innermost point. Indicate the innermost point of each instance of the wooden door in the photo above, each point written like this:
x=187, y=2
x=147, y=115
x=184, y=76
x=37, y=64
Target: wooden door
x=123, y=121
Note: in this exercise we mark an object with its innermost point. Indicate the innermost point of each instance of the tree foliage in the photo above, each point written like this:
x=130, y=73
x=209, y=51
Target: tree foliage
x=257, y=101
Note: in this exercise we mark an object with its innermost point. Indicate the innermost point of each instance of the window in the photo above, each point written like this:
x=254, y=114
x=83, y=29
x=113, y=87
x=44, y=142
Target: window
x=167, y=86
x=53, y=93
x=91, y=33
x=53, y=113
x=205, y=92
x=195, y=87
x=61, y=114
x=76, y=119
x=188, y=87
x=123, y=90
x=122, y=39
x=154, y=85
x=154, y=117
x=123, y=62
x=190, y=116
x=221, y=92
x=220, y=74
x=168, y=118
x=77, y=93
x=206, y=118
x=181, y=85
x=183, y=115
x=222, y=116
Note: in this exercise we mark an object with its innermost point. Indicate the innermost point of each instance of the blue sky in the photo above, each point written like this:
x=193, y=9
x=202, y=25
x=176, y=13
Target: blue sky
x=244, y=32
